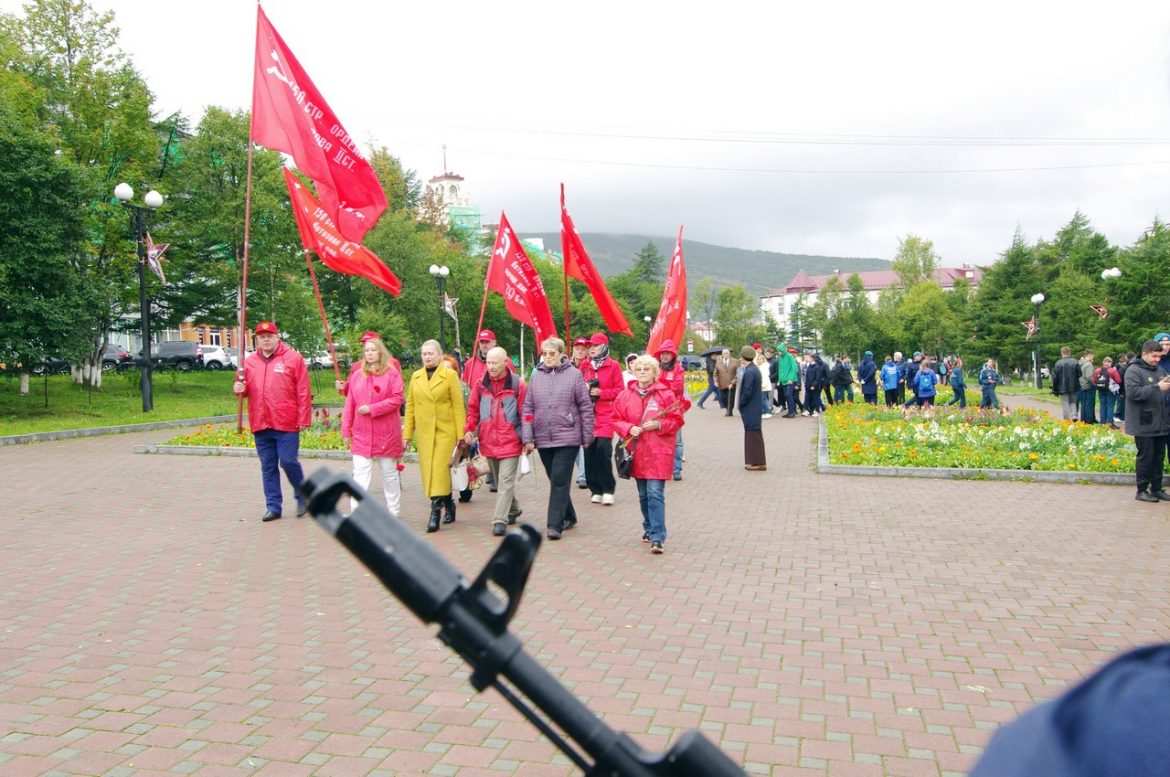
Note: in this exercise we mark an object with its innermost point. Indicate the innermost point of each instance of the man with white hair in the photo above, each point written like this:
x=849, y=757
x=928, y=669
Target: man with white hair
x=493, y=416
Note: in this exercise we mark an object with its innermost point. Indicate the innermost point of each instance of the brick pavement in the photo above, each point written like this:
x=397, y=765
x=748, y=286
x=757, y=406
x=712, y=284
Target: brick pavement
x=812, y=625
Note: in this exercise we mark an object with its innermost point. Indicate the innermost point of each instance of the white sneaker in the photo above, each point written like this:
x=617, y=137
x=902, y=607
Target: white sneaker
x=596, y=499
x=815, y=414
x=606, y=499
x=804, y=413
x=767, y=415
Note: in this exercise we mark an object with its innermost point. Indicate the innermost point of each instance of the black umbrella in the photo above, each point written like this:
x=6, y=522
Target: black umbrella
x=713, y=351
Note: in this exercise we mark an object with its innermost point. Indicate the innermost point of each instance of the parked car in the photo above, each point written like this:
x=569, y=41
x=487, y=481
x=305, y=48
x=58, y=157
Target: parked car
x=182, y=355
x=115, y=357
x=690, y=362
x=215, y=358
x=52, y=365
x=233, y=356
x=320, y=361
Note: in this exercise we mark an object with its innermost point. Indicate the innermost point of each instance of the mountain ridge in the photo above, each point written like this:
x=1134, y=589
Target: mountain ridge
x=759, y=272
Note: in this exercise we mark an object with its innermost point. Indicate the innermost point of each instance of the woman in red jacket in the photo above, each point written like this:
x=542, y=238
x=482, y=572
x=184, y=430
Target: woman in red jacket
x=603, y=375
x=370, y=422
x=635, y=412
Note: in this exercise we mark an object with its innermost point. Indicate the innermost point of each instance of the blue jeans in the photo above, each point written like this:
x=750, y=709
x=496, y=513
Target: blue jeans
x=580, y=466
x=766, y=402
x=989, y=397
x=279, y=448
x=652, y=500
x=711, y=390
x=1086, y=398
x=678, y=454
x=840, y=392
x=1108, y=401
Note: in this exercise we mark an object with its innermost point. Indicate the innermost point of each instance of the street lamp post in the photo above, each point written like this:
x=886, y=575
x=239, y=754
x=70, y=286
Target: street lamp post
x=152, y=201
x=1036, y=352
x=440, y=273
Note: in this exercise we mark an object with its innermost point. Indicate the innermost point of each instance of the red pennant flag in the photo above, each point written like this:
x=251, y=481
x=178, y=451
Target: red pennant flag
x=290, y=115
x=1100, y=310
x=154, y=252
x=320, y=235
x=510, y=272
x=578, y=265
x=1033, y=327
x=671, y=323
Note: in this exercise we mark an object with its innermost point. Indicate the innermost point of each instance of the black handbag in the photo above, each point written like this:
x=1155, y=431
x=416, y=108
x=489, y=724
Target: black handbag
x=623, y=459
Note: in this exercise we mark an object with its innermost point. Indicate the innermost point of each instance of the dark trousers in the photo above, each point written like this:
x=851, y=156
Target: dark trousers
x=892, y=397
x=870, y=399
x=558, y=465
x=1087, y=399
x=599, y=466
x=1151, y=462
x=900, y=394
x=729, y=400
x=711, y=390
x=790, y=390
x=960, y=397
x=812, y=400
x=841, y=393
x=278, y=449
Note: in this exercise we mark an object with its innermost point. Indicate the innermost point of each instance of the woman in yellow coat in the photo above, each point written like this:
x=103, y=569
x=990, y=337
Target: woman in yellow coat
x=435, y=415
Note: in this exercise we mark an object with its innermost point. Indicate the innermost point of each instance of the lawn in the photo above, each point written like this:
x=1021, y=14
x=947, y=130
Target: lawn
x=948, y=437
x=177, y=395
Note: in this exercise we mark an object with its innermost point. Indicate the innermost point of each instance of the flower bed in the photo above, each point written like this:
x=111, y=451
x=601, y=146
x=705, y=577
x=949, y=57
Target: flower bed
x=323, y=435
x=1020, y=439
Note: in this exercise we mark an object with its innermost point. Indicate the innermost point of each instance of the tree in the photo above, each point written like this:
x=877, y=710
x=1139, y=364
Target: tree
x=925, y=321
x=1002, y=302
x=1137, y=301
x=704, y=298
x=41, y=232
x=915, y=261
x=650, y=264
x=736, y=315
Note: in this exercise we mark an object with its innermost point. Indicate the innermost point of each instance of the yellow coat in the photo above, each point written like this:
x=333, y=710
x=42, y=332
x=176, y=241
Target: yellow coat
x=435, y=416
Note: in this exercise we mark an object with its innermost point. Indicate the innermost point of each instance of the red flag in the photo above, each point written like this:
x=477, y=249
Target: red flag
x=319, y=234
x=671, y=323
x=1033, y=327
x=510, y=272
x=579, y=266
x=290, y=115
x=154, y=252
x=1100, y=310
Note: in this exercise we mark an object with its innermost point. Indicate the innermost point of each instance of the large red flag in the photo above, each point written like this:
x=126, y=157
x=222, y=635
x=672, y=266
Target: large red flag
x=290, y=115
x=671, y=323
x=579, y=266
x=510, y=272
x=320, y=235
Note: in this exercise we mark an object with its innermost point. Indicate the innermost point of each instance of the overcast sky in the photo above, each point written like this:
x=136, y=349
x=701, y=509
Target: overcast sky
x=823, y=128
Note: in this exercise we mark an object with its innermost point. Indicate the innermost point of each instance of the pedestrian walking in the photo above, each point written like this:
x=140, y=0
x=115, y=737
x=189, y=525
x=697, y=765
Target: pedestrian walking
x=1148, y=420
x=603, y=376
x=493, y=418
x=988, y=380
x=557, y=419
x=755, y=458
x=958, y=384
x=650, y=413
x=725, y=370
x=275, y=383
x=370, y=422
x=435, y=418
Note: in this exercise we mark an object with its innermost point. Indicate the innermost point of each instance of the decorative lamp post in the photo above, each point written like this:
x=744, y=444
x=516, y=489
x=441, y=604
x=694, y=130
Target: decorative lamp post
x=440, y=273
x=1036, y=351
x=152, y=201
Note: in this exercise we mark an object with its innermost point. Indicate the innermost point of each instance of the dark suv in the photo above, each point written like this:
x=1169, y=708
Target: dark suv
x=180, y=354
x=115, y=357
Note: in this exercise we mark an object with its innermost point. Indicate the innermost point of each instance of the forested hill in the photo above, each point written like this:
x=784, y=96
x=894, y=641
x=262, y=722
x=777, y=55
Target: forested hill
x=757, y=271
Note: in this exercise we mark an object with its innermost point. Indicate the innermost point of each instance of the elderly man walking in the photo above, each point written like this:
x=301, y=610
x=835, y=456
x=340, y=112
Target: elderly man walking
x=276, y=384
x=493, y=415
x=725, y=370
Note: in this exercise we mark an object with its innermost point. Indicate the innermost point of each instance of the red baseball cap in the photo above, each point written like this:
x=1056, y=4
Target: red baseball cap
x=581, y=341
x=368, y=336
x=266, y=328
x=756, y=346
x=599, y=339
x=487, y=334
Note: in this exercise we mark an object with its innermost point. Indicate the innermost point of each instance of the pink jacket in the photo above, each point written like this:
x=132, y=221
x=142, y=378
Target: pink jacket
x=654, y=451
x=609, y=380
x=278, y=391
x=379, y=434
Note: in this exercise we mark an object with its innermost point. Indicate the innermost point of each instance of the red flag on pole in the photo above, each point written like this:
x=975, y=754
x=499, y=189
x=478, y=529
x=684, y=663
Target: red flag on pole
x=671, y=323
x=319, y=234
x=578, y=265
x=510, y=272
x=290, y=115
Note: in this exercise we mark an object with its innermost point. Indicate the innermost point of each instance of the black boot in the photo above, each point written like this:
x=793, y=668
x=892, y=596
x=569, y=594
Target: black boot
x=436, y=506
x=449, y=503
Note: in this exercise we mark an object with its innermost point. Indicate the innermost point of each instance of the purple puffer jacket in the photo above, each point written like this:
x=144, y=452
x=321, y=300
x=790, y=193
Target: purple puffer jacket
x=557, y=409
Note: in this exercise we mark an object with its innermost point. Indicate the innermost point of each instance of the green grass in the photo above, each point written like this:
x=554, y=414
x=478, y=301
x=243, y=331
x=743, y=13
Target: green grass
x=1022, y=388
x=176, y=396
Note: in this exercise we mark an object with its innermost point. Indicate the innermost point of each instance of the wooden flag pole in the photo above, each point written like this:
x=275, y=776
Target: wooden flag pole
x=240, y=346
x=483, y=306
x=324, y=320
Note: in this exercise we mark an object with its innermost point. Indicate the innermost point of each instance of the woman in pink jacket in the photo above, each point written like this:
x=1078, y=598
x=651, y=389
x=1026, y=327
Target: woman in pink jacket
x=635, y=411
x=370, y=423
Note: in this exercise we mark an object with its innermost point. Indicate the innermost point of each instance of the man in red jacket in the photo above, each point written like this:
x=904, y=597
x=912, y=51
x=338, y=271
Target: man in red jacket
x=493, y=415
x=476, y=366
x=603, y=376
x=674, y=376
x=276, y=383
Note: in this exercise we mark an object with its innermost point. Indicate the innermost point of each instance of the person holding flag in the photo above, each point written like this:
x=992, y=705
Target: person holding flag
x=673, y=375
x=603, y=376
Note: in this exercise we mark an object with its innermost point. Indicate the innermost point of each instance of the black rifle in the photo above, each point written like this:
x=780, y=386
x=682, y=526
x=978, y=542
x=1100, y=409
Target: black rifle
x=474, y=623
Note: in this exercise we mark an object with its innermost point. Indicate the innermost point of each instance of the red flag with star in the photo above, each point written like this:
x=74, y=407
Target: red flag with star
x=1033, y=327
x=578, y=265
x=511, y=274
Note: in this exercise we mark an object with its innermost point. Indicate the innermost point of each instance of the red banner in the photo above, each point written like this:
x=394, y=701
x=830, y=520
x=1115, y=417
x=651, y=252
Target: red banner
x=320, y=235
x=671, y=323
x=578, y=265
x=510, y=272
x=290, y=115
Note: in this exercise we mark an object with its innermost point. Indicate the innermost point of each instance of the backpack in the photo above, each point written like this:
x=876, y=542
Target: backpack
x=1101, y=378
x=925, y=381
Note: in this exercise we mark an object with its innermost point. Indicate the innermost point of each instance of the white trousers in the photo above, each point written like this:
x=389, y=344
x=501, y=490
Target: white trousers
x=391, y=485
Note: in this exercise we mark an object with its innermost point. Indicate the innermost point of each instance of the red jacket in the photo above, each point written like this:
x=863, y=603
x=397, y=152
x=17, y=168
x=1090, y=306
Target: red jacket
x=493, y=413
x=609, y=380
x=278, y=391
x=379, y=434
x=654, y=451
x=676, y=377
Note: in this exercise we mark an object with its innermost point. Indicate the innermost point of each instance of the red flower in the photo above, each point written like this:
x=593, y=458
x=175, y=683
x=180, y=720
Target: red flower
x=377, y=389
x=528, y=418
x=400, y=466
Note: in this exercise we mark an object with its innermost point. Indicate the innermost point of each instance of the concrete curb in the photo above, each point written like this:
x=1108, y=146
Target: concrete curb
x=97, y=431
x=964, y=473
x=211, y=450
